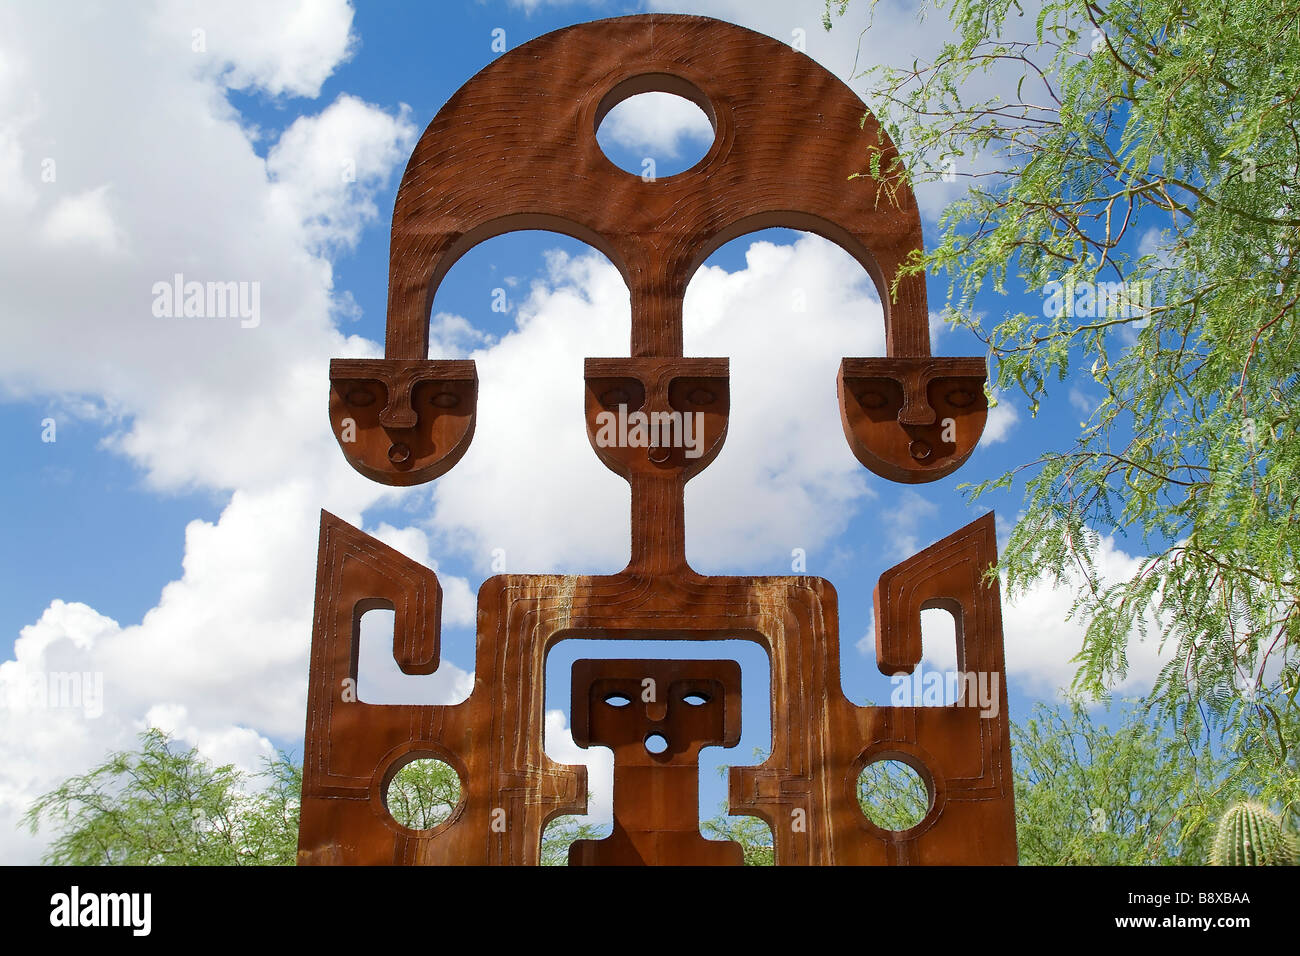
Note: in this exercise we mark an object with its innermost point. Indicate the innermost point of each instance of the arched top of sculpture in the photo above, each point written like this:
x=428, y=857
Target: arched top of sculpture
x=515, y=148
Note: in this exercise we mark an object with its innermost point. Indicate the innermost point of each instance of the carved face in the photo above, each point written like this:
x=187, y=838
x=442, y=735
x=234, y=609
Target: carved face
x=625, y=704
x=400, y=422
x=915, y=419
x=657, y=416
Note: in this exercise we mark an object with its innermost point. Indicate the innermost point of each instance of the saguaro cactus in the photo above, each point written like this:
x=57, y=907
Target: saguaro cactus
x=1252, y=835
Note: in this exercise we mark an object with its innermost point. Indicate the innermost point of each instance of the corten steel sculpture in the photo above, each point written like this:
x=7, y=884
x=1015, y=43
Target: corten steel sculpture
x=625, y=705
x=515, y=148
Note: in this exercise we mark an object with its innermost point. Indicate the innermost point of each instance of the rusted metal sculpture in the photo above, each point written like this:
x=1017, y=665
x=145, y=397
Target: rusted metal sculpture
x=627, y=706
x=515, y=148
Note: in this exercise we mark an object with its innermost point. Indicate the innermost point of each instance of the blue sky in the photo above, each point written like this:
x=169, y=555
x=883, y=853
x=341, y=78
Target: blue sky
x=165, y=539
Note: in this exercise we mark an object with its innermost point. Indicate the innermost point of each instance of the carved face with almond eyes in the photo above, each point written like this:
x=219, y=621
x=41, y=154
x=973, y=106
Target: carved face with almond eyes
x=657, y=416
x=913, y=419
x=626, y=704
x=400, y=422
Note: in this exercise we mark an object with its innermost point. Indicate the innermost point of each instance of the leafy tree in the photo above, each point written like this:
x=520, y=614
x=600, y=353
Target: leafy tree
x=270, y=818
x=1087, y=795
x=423, y=794
x=1146, y=792
x=161, y=805
x=892, y=800
x=1156, y=145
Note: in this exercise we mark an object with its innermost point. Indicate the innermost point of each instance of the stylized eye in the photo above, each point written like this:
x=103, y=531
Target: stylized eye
x=360, y=397
x=959, y=398
x=872, y=399
x=616, y=396
x=446, y=400
x=696, y=700
x=618, y=700
x=701, y=396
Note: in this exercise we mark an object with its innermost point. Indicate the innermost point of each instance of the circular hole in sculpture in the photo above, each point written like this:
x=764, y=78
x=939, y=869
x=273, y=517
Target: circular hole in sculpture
x=655, y=135
x=423, y=793
x=892, y=795
x=656, y=743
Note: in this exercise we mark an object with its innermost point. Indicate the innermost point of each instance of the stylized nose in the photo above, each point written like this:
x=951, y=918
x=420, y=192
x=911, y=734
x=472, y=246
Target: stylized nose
x=916, y=408
x=398, y=414
x=656, y=710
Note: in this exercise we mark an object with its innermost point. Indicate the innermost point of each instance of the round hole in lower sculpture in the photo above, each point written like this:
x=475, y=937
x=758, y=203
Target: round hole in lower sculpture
x=423, y=793
x=893, y=795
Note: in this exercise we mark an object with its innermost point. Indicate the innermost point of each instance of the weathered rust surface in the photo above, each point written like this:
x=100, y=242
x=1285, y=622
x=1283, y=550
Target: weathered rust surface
x=625, y=705
x=912, y=420
x=515, y=148
x=403, y=423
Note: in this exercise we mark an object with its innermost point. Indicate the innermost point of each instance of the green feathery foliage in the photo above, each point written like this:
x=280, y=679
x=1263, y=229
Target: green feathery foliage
x=1147, y=146
x=162, y=805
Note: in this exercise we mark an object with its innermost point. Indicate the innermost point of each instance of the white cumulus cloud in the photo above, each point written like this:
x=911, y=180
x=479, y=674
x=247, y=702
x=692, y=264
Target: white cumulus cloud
x=660, y=124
